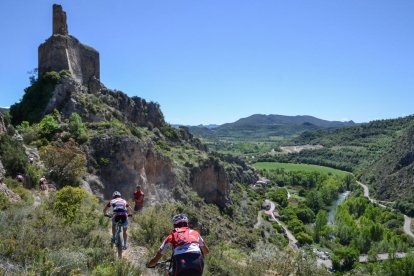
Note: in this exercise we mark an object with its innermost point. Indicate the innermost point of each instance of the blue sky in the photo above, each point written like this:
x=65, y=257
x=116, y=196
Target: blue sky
x=217, y=61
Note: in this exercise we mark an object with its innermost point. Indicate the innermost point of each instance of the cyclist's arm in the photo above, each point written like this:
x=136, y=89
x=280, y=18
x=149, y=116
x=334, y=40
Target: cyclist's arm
x=203, y=246
x=204, y=249
x=153, y=262
x=106, y=209
x=130, y=210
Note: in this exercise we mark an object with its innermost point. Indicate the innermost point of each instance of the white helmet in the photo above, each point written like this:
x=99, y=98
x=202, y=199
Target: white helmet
x=116, y=193
x=179, y=218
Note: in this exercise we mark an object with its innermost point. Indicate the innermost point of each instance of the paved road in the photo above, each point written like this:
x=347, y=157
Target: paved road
x=407, y=220
x=407, y=226
x=382, y=257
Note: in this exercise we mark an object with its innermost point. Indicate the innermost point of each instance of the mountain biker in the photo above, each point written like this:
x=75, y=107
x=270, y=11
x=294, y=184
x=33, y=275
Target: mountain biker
x=139, y=199
x=120, y=213
x=188, y=248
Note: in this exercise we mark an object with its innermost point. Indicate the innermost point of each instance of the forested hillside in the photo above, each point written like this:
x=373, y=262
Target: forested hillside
x=262, y=127
x=380, y=152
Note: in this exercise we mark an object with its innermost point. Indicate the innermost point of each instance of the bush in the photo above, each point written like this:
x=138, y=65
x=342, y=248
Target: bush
x=153, y=226
x=66, y=162
x=13, y=156
x=304, y=238
x=24, y=194
x=120, y=267
x=4, y=202
x=49, y=126
x=74, y=204
x=34, y=173
x=77, y=127
x=35, y=99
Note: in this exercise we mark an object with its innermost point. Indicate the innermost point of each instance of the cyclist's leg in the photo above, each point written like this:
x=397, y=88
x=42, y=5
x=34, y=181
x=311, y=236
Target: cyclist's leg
x=113, y=229
x=125, y=234
x=191, y=264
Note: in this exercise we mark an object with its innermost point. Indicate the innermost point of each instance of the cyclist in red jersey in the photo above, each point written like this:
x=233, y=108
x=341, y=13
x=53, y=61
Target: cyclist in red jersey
x=188, y=249
x=120, y=213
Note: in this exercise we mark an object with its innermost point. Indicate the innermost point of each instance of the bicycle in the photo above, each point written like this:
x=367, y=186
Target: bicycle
x=166, y=266
x=118, y=242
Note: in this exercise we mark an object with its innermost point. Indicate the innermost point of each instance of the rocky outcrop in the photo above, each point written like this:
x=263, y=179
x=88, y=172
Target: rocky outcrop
x=2, y=171
x=12, y=196
x=103, y=104
x=2, y=124
x=210, y=181
x=64, y=52
x=124, y=162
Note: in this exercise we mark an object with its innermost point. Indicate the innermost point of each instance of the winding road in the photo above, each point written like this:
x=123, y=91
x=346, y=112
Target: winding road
x=292, y=240
x=407, y=220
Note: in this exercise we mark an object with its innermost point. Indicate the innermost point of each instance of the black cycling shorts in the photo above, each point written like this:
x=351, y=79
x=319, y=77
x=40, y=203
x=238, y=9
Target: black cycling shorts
x=188, y=264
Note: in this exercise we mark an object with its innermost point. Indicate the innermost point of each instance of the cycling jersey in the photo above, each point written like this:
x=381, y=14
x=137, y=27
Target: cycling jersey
x=183, y=240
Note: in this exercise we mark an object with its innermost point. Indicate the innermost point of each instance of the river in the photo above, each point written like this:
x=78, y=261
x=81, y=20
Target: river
x=332, y=209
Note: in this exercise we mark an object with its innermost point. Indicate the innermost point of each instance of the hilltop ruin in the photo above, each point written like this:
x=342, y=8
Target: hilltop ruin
x=62, y=51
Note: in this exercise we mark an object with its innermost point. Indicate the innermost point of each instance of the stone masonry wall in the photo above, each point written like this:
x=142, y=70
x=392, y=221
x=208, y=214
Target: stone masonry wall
x=64, y=52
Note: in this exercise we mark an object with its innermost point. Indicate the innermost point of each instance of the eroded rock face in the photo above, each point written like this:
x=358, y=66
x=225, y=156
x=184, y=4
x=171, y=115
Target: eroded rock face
x=123, y=162
x=2, y=170
x=103, y=104
x=2, y=124
x=210, y=181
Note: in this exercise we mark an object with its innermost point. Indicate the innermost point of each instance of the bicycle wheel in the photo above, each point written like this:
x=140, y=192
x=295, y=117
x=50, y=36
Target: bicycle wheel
x=119, y=242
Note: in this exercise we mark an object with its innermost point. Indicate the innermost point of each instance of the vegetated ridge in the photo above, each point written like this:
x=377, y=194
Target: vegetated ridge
x=261, y=126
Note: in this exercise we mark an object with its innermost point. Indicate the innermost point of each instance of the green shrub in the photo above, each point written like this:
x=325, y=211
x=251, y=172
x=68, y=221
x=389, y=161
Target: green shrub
x=35, y=99
x=24, y=194
x=77, y=127
x=4, y=202
x=12, y=155
x=304, y=238
x=67, y=261
x=73, y=204
x=34, y=173
x=49, y=126
x=154, y=224
x=121, y=267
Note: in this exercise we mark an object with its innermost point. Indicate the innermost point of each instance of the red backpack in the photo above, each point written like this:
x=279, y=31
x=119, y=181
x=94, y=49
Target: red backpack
x=184, y=235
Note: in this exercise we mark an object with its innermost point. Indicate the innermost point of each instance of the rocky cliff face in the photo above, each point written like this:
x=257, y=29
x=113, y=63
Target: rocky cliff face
x=124, y=162
x=98, y=103
x=2, y=170
x=120, y=163
x=2, y=130
x=2, y=124
x=211, y=182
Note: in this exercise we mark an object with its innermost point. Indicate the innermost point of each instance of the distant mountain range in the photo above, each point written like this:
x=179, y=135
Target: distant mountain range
x=259, y=126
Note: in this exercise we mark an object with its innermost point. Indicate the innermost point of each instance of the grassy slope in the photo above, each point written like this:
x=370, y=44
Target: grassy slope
x=298, y=167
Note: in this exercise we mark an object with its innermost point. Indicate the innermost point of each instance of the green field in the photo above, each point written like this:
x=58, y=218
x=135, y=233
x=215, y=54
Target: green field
x=288, y=167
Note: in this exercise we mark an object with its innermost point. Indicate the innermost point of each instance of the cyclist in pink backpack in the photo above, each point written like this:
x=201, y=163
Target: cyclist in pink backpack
x=188, y=249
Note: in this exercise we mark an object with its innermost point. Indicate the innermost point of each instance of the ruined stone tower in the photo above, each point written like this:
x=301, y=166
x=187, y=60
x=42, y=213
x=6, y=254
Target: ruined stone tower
x=62, y=51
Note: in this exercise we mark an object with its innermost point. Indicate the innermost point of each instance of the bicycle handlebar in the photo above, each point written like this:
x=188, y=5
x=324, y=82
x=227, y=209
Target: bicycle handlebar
x=110, y=215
